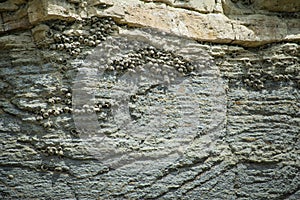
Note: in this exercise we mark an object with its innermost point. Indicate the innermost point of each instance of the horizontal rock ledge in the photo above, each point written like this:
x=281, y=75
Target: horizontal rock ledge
x=246, y=30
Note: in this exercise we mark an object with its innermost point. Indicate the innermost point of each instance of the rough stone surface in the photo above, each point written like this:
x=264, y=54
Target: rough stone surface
x=222, y=122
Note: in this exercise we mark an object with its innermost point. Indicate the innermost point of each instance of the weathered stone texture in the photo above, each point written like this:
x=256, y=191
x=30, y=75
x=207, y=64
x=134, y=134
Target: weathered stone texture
x=237, y=69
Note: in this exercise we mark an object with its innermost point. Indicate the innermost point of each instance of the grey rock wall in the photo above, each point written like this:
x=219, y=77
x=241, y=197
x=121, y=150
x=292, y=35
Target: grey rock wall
x=94, y=106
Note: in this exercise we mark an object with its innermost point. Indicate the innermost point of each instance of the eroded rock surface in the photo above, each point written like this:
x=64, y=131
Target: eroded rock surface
x=152, y=99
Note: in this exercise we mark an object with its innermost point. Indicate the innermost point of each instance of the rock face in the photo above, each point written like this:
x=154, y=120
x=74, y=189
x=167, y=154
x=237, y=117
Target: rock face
x=152, y=99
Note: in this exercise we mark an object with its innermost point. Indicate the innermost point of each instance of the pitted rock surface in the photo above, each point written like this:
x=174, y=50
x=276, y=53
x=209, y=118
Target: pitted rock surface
x=243, y=102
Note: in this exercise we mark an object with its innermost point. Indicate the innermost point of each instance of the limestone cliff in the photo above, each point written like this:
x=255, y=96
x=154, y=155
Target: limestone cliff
x=149, y=99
